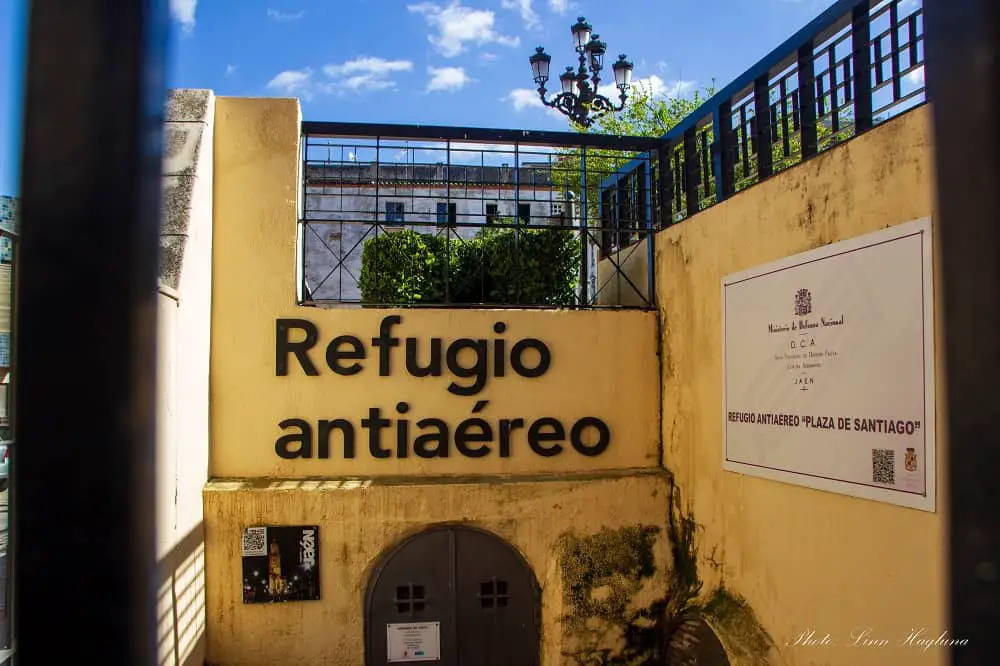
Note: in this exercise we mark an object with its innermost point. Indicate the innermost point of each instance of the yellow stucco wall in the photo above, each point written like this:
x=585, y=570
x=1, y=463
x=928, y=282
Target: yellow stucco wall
x=602, y=363
x=805, y=559
x=358, y=521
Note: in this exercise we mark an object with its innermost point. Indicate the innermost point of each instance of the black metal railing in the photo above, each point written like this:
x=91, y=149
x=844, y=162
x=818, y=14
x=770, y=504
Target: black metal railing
x=397, y=215
x=856, y=65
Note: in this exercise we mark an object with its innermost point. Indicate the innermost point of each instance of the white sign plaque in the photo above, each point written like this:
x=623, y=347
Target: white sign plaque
x=414, y=641
x=828, y=368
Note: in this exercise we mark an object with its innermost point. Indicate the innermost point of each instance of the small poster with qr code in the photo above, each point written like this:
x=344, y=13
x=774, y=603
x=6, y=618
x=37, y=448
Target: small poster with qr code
x=280, y=564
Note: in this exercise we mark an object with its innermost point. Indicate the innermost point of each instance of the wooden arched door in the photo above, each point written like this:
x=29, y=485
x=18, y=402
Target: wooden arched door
x=455, y=596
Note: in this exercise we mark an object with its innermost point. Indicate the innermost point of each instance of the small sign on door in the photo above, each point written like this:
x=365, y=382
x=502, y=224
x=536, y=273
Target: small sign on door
x=414, y=641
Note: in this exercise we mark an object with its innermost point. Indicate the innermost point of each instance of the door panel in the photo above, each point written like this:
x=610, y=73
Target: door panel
x=416, y=585
x=473, y=583
x=496, y=604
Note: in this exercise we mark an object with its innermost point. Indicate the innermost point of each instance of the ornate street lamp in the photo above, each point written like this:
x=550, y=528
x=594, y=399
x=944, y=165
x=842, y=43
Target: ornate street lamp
x=579, y=98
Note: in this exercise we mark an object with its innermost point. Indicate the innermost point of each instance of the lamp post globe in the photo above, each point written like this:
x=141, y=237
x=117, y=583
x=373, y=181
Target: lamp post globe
x=595, y=51
x=540, y=66
x=623, y=72
x=579, y=97
x=581, y=34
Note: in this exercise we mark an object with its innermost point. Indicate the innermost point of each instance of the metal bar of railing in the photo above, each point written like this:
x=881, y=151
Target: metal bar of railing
x=807, y=100
x=762, y=125
x=650, y=237
x=584, y=230
x=691, y=171
x=861, y=54
x=479, y=134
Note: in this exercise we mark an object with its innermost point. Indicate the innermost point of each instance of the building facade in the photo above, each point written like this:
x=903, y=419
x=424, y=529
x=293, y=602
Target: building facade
x=350, y=203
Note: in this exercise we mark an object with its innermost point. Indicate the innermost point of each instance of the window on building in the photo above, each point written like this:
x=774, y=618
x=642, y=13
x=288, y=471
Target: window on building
x=447, y=214
x=394, y=212
x=492, y=213
x=524, y=213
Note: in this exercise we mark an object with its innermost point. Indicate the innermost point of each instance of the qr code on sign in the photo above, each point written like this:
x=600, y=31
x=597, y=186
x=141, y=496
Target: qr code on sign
x=254, y=541
x=884, y=466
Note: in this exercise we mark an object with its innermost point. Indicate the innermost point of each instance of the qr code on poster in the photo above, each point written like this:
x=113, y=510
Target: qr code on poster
x=884, y=466
x=254, y=541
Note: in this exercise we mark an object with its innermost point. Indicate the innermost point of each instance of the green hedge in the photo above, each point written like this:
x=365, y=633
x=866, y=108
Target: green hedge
x=498, y=266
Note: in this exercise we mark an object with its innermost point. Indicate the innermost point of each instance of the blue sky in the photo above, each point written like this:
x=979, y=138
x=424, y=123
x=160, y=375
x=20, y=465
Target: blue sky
x=440, y=62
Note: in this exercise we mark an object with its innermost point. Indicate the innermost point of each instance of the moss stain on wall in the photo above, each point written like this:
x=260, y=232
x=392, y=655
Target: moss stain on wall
x=614, y=617
x=602, y=575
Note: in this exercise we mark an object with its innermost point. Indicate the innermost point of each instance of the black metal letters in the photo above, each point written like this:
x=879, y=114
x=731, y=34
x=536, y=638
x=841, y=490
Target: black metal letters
x=465, y=359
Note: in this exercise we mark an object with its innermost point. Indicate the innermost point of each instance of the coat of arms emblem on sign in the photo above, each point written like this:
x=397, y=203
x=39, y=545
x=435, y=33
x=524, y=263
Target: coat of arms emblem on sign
x=911, y=460
x=803, y=302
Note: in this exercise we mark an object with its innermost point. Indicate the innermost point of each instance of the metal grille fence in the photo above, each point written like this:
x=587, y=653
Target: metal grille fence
x=423, y=216
x=449, y=216
x=856, y=65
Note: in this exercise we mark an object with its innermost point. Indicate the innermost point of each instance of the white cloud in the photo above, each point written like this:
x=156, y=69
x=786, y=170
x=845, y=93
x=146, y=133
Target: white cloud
x=916, y=77
x=527, y=12
x=456, y=25
x=364, y=73
x=488, y=57
x=559, y=6
x=679, y=88
x=183, y=12
x=295, y=83
x=525, y=98
x=448, y=79
x=361, y=82
x=368, y=65
x=230, y=70
x=280, y=16
x=656, y=86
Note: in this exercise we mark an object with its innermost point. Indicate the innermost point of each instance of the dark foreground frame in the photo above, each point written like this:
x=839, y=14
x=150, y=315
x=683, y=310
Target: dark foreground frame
x=85, y=334
x=963, y=62
x=85, y=406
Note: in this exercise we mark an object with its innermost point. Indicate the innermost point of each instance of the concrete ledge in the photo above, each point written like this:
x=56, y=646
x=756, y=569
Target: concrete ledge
x=187, y=105
x=169, y=292
x=187, y=150
x=172, y=258
x=181, y=147
x=354, y=482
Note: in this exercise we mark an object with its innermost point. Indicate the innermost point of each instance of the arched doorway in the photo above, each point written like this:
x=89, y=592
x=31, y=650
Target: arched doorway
x=694, y=643
x=455, y=595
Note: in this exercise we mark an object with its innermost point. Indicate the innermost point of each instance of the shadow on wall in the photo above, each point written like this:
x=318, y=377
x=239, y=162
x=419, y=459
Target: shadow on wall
x=180, y=621
x=617, y=616
x=622, y=277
